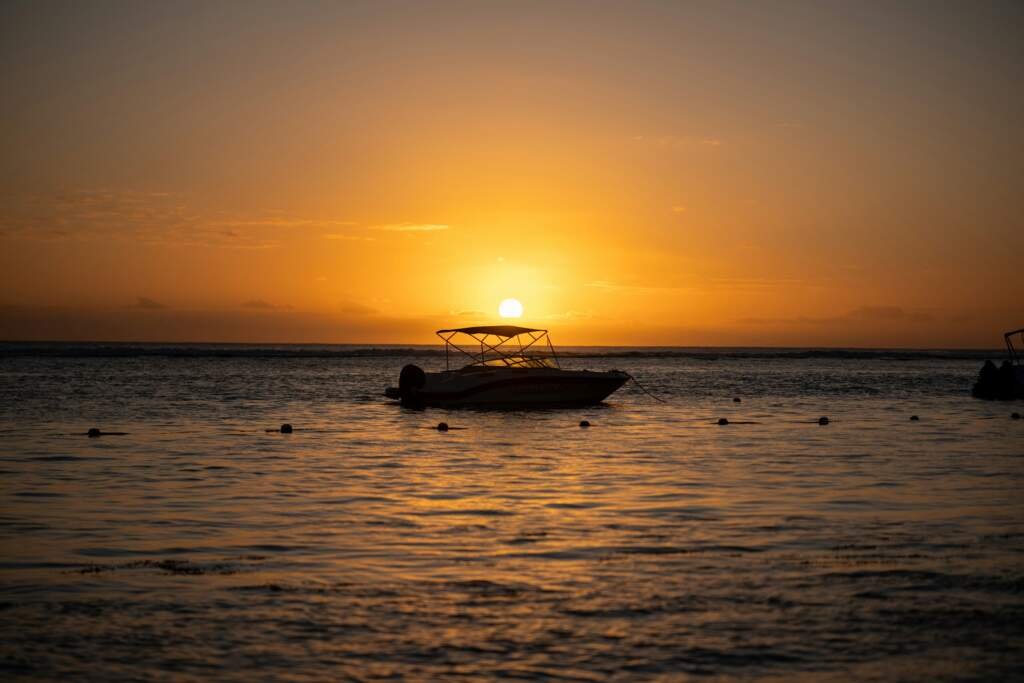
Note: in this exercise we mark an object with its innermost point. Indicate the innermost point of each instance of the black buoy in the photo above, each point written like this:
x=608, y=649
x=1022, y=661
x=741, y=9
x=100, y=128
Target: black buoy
x=94, y=432
x=584, y=423
x=736, y=400
x=823, y=420
x=914, y=418
x=442, y=426
x=722, y=421
x=286, y=428
x=1015, y=416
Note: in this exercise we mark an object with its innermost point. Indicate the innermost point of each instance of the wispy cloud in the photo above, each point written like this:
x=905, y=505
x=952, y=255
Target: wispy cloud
x=890, y=314
x=261, y=305
x=566, y=316
x=698, y=284
x=148, y=304
x=679, y=141
x=165, y=218
x=90, y=214
x=353, y=308
x=345, y=236
x=412, y=227
x=283, y=222
x=637, y=288
x=746, y=284
x=145, y=217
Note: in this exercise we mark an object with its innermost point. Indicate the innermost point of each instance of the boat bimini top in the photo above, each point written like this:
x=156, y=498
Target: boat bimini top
x=490, y=346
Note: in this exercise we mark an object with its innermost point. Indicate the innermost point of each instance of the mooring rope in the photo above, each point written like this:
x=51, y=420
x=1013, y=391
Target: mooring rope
x=644, y=389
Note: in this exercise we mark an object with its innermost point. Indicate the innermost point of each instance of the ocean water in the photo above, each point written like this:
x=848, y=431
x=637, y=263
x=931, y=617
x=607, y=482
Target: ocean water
x=366, y=545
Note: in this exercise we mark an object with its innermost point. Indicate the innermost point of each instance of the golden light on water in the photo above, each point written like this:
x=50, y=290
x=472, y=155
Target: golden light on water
x=510, y=308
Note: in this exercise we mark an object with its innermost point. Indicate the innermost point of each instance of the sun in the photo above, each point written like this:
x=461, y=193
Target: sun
x=510, y=308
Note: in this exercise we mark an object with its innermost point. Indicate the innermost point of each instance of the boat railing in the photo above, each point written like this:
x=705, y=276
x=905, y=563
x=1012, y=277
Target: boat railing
x=1011, y=349
x=500, y=346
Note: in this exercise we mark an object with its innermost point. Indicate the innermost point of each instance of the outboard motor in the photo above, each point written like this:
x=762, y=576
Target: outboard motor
x=410, y=381
x=987, y=386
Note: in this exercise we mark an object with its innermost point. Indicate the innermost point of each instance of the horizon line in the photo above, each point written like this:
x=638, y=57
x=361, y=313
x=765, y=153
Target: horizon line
x=588, y=346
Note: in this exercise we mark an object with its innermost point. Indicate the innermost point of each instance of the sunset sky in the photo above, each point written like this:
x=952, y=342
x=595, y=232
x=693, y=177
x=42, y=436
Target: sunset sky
x=684, y=173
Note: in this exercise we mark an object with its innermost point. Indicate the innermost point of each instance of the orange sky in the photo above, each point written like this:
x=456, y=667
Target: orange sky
x=801, y=174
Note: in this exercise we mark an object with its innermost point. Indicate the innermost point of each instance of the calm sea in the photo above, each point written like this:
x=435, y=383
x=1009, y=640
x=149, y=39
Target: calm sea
x=366, y=545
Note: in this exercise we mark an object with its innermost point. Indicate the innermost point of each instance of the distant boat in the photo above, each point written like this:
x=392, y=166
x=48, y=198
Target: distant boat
x=1007, y=381
x=511, y=367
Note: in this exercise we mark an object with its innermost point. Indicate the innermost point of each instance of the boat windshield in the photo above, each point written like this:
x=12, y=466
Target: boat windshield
x=518, y=362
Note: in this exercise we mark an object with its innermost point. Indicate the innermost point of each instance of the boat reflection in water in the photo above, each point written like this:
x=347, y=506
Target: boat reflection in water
x=511, y=367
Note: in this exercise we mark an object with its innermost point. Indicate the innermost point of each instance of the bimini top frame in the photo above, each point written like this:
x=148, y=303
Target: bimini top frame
x=1008, y=337
x=500, y=346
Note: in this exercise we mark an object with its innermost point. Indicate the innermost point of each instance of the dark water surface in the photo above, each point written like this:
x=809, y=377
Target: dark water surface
x=366, y=545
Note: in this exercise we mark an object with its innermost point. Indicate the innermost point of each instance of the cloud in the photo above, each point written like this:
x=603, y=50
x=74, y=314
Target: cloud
x=148, y=304
x=412, y=227
x=646, y=289
x=746, y=284
x=699, y=284
x=887, y=313
x=353, y=308
x=261, y=305
x=678, y=141
x=800, y=320
x=164, y=218
x=348, y=237
x=862, y=314
x=283, y=222
x=143, y=217
x=227, y=325
x=679, y=208
x=95, y=214
x=566, y=316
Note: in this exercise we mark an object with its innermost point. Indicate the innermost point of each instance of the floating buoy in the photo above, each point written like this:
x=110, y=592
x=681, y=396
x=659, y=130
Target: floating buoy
x=823, y=420
x=914, y=418
x=736, y=400
x=442, y=426
x=1015, y=416
x=286, y=428
x=94, y=432
x=722, y=421
x=584, y=423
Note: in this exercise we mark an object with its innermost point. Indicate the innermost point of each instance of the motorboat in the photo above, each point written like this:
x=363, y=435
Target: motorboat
x=1007, y=381
x=511, y=367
